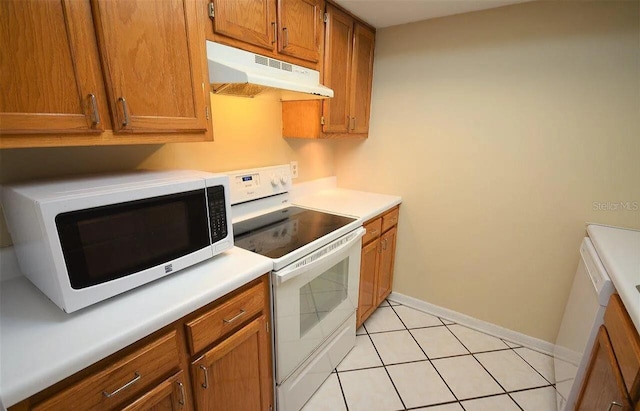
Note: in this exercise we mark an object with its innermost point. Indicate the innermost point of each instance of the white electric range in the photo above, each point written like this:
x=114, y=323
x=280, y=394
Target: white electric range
x=315, y=278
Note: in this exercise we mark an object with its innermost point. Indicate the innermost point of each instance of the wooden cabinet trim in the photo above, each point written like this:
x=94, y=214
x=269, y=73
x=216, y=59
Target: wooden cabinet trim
x=219, y=321
x=289, y=30
x=136, y=371
x=374, y=230
x=626, y=344
x=206, y=386
x=594, y=385
x=172, y=391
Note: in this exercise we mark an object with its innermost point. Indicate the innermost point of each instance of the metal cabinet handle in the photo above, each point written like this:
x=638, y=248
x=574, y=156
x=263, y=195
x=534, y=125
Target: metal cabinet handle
x=181, y=386
x=286, y=38
x=240, y=314
x=373, y=232
x=384, y=244
x=275, y=32
x=95, y=115
x=127, y=385
x=205, y=384
x=352, y=123
x=379, y=248
x=613, y=403
x=125, y=111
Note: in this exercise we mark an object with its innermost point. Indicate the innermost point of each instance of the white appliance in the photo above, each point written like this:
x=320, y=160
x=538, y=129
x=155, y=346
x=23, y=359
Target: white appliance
x=241, y=73
x=583, y=315
x=315, y=279
x=85, y=239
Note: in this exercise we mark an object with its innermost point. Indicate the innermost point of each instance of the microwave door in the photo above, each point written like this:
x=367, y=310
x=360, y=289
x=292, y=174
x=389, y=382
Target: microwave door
x=109, y=242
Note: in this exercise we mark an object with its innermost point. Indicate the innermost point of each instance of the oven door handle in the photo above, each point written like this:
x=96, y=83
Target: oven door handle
x=294, y=270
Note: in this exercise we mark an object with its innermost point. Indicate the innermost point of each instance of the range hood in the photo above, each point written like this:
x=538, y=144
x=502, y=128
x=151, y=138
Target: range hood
x=240, y=73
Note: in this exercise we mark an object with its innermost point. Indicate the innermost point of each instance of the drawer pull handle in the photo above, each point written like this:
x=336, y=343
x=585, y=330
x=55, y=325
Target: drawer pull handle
x=374, y=232
x=181, y=386
x=124, y=387
x=95, y=115
x=240, y=314
x=613, y=403
x=275, y=32
x=125, y=111
x=205, y=384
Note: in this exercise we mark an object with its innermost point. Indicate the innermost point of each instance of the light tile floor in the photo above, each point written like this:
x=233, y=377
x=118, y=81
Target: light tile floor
x=405, y=359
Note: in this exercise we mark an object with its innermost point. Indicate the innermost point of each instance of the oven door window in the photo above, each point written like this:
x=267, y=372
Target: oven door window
x=322, y=295
x=310, y=306
x=109, y=242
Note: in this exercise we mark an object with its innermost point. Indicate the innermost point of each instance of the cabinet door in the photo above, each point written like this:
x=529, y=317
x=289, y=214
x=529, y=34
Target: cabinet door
x=169, y=395
x=368, y=269
x=49, y=70
x=337, y=70
x=151, y=55
x=249, y=21
x=603, y=387
x=236, y=374
x=361, y=77
x=387, y=259
x=301, y=27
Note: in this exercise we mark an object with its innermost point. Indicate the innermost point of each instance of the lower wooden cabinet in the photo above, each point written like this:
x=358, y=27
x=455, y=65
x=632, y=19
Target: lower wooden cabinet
x=377, y=261
x=612, y=380
x=236, y=374
x=603, y=388
x=230, y=369
x=169, y=395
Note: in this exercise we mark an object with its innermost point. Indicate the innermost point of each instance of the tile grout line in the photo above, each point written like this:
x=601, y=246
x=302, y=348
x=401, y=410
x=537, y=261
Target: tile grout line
x=404, y=407
x=344, y=398
x=485, y=368
x=534, y=368
x=425, y=354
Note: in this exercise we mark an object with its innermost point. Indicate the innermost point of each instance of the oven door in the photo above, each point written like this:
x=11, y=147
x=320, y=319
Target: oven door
x=313, y=297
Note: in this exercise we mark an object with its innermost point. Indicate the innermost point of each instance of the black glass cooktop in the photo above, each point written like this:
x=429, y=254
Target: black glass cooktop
x=281, y=232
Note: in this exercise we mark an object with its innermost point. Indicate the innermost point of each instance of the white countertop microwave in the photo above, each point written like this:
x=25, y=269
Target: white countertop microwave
x=85, y=239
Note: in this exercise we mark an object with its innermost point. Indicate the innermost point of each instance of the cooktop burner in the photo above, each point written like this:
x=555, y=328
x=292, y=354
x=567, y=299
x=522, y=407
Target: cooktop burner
x=281, y=232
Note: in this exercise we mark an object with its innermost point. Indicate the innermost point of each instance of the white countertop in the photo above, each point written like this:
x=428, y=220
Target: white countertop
x=359, y=204
x=41, y=345
x=619, y=250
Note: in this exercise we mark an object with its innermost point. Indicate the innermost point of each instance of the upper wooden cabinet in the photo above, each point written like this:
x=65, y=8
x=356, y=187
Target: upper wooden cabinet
x=248, y=21
x=76, y=70
x=301, y=28
x=348, y=70
x=49, y=70
x=289, y=30
x=152, y=59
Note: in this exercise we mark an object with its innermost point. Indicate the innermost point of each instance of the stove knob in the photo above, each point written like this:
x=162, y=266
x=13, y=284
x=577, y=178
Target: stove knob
x=274, y=181
x=284, y=180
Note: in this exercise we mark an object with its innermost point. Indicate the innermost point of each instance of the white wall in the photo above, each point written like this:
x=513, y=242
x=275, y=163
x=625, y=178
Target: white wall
x=500, y=129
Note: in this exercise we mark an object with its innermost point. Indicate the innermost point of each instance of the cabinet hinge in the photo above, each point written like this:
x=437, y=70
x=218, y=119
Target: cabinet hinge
x=212, y=12
x=326, y=17
x=206, y=112
x=322, y=121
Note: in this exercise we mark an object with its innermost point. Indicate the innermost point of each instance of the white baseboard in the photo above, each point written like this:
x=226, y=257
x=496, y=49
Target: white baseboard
x=479, y=325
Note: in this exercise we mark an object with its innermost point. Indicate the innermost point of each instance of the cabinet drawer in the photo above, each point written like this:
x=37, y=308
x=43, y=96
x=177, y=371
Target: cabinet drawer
x=626, y=344
x=229, y=316
x=120, y=381
x=390, y=219
x=374, y=228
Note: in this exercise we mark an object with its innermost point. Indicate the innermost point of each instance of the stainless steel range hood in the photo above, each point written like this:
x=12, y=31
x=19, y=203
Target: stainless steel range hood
x=241, y=73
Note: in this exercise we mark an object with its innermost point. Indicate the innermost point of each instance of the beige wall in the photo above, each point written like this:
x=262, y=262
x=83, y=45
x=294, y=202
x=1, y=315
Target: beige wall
x=500, y=129
x=247, y=132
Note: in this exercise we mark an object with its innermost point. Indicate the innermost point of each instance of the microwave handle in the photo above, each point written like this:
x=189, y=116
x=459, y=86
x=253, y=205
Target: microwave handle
x=289, y=273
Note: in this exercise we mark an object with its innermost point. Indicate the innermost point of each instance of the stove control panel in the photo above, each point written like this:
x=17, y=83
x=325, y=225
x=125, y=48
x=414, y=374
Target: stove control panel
x=247, y=185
